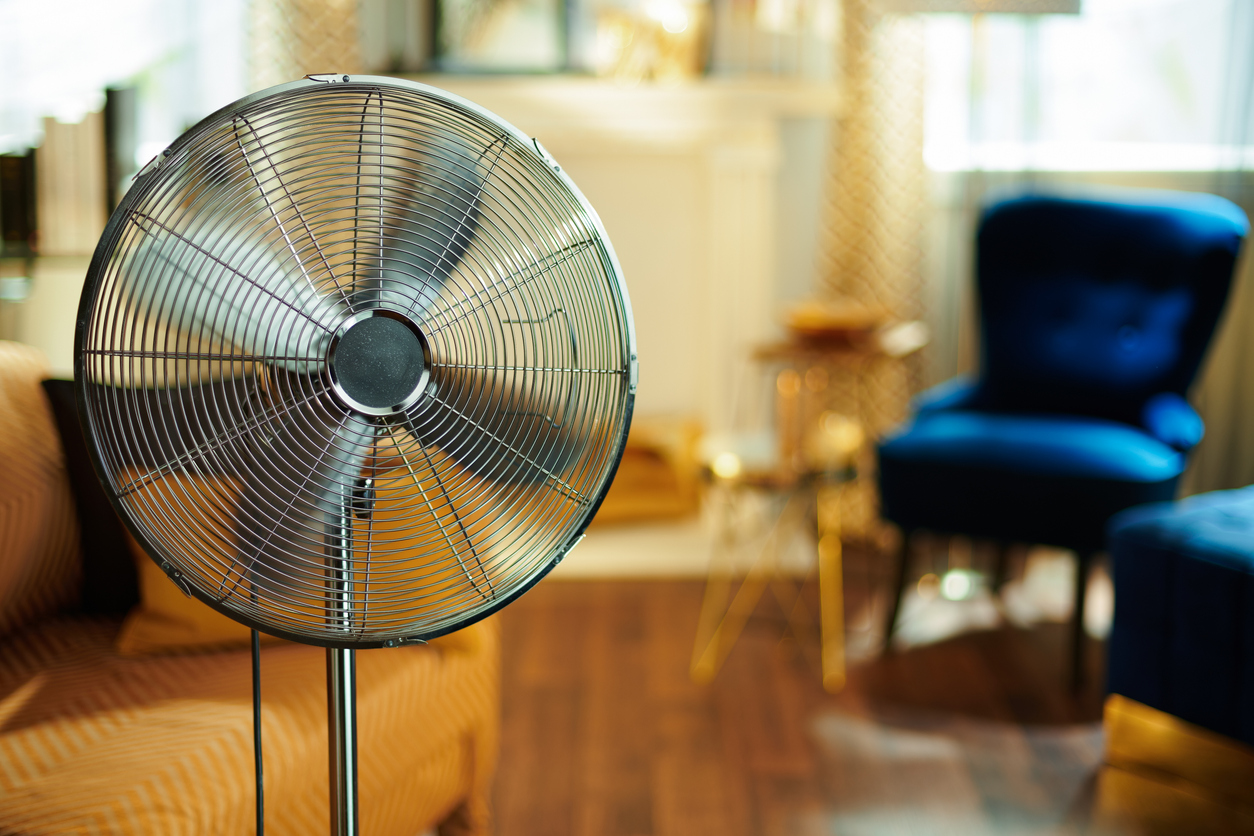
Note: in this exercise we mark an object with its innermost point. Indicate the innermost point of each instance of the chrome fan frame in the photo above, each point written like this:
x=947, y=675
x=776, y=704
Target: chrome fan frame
x=102, y=426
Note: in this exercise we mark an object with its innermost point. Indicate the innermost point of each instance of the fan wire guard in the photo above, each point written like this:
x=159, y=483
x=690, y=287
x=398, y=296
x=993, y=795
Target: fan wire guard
x=356, y=363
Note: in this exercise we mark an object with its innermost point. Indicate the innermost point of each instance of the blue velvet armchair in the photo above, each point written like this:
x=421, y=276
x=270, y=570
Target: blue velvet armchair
x=1095, y=314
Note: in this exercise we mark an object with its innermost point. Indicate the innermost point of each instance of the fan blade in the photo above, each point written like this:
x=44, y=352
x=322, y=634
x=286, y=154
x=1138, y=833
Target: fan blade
x=281, y=488
x=296, y=455
x=249, y=488
x=428, y=215
x=500, y=429
x=295, y=517
x=266, y=307
x=162, y=429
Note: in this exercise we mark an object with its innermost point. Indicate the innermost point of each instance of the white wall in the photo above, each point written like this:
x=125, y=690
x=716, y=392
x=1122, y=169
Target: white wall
x=653, y=207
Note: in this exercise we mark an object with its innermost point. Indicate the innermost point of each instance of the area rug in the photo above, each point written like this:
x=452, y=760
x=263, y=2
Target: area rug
x=919, y=773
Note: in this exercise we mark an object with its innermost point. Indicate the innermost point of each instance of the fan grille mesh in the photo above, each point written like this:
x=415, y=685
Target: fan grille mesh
x=206, y=346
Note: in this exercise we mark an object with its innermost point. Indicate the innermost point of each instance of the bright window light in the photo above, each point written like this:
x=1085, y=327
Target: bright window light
x=58, y=56
x=1127, y=85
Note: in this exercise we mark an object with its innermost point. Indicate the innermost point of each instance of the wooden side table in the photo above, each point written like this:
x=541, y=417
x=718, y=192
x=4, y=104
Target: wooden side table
x=822, y=416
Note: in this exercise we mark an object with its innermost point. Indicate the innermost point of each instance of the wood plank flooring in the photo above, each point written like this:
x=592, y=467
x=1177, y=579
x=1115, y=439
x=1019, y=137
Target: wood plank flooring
x=605, y=735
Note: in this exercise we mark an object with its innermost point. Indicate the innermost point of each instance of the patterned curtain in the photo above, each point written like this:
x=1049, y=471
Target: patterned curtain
x=875, y=203
x=876, y=196
x=295, y=38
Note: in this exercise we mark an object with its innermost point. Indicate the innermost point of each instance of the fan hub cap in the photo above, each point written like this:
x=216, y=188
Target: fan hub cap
x=379, y=362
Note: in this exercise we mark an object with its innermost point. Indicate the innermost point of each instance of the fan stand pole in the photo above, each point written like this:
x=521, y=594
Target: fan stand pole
x=342, y=738
x=342, y=680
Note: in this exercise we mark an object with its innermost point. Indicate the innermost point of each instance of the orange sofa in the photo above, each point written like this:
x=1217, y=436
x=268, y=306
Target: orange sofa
x=100, y=740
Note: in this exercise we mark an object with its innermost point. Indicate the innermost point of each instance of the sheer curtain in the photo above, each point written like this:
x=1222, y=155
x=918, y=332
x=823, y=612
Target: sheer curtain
x=1225, y=395
x=871, y=227
x=1142, y=93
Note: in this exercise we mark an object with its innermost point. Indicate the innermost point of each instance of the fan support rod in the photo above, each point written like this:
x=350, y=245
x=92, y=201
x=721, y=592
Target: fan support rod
x=342, y=675
x=342, y=738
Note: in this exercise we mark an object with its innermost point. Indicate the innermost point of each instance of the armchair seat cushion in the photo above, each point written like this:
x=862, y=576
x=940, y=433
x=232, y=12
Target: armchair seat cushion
x=1022, y=477
x=1046, y=445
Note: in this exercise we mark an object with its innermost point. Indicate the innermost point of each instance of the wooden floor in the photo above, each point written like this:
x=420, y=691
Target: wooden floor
x=605, y=735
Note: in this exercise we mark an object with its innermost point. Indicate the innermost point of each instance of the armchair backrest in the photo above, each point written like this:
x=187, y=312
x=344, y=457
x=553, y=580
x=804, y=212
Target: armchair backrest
x=1092, y=306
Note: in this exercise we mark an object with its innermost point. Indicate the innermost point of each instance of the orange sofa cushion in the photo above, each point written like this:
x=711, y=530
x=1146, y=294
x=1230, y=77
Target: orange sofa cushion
x=92, y=741
x=40, y=568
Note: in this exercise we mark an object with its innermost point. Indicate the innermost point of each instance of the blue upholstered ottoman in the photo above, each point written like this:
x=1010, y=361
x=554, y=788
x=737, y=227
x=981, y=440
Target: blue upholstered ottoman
x=1183, y=635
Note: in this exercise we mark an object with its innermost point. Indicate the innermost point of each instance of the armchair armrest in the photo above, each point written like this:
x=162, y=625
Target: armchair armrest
x=1169, y=418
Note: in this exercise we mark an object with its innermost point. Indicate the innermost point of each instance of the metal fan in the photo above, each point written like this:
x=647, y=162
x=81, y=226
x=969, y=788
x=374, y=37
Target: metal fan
x=356, y=364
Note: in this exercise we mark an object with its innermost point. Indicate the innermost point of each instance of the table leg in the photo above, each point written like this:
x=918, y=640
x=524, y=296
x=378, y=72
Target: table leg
x=831, y=589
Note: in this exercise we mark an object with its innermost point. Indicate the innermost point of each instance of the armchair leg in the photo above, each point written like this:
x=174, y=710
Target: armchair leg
x=899, y=585
x=1084, y=560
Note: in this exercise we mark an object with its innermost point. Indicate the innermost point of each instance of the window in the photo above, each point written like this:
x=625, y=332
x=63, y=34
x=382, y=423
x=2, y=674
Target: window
x=1144, y=85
